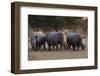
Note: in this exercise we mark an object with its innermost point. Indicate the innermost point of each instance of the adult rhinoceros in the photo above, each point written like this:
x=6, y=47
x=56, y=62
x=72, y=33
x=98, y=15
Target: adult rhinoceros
x=38, y=39
x=55, y=39
x=74, y=39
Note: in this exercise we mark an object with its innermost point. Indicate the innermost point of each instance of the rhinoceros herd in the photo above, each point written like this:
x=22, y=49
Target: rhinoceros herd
x=56, y=40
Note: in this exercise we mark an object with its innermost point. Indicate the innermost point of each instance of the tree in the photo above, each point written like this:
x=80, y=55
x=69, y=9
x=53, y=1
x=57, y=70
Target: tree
x=56, y=22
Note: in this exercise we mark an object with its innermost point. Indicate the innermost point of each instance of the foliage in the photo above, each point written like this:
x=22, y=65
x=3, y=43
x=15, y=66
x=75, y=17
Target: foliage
x=56, y=22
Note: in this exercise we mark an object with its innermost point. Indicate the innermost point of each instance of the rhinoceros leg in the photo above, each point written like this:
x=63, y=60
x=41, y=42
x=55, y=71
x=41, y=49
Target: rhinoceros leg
x=56, y=47
x=74, y=46
x=53, y=46
x=49, y=47
x=61, y=46
x=39, y=46
x=78, y=48
x=68, y=45
x=44, y=45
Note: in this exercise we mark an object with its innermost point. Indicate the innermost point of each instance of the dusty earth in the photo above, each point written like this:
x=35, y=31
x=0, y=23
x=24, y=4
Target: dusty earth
x=56, y=54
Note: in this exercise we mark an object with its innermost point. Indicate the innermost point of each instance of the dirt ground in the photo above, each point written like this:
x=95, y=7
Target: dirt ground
x=56, y=54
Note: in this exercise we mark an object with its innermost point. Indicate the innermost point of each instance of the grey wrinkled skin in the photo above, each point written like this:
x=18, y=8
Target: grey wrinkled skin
x=38, y=39
x=54, y=39
x=74, y=39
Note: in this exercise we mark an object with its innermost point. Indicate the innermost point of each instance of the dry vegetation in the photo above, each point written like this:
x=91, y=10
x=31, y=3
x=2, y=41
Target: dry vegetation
x=56, y=54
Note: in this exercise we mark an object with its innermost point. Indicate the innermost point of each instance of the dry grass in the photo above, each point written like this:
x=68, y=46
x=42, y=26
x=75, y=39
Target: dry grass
x=57, y=54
